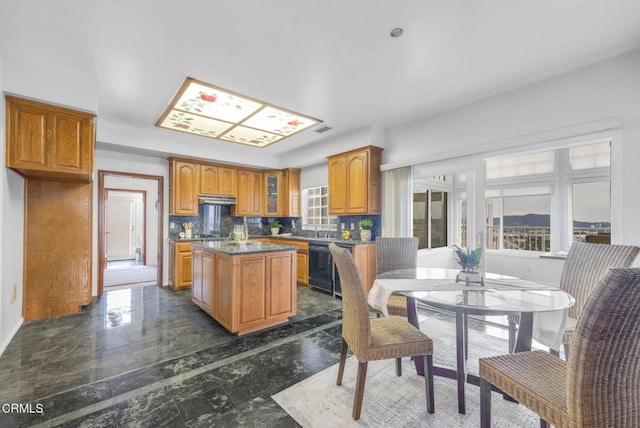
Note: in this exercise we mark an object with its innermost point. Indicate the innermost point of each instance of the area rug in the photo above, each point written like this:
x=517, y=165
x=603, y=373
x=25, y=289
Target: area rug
x=392, y=401
x=130, y=275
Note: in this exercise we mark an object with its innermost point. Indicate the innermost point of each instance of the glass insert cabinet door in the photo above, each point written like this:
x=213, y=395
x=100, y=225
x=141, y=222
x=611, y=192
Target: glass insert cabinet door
x=273, y=181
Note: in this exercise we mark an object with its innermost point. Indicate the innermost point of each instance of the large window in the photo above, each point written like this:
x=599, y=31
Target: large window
x=537, y=201
x=315, y=211
x=542, y=201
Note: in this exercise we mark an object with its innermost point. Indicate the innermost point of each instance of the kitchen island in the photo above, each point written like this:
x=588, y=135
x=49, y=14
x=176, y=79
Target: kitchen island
x=245, y=287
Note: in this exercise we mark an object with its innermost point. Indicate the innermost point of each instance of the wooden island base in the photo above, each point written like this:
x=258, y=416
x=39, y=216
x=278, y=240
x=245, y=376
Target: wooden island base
x=245, y=290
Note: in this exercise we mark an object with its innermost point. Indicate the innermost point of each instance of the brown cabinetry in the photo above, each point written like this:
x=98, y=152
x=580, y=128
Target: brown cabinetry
x=217, y=180
x=291, y=192
x=49, y=142
x=183, y=188
x=180, y=271
x=249, y=292
x=354, y=181
x=365, y=258
x=273, y=194
x=250, y=193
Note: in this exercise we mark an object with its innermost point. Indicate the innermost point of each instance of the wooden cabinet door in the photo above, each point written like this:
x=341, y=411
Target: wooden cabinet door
x=184, y=188
x=208, y=279
x=227, y=181
x=249, y=199
x=172, y=263
x=72, y=148
x=281, y=270
x=365, y=257
x=225, y=289
x=291, y=191
x=338, y=185
x=357, y=182
x=184, y=270
x=27, y=135
x=302, y=268
x=198, y=276
x=209, y=180
x=252, y=284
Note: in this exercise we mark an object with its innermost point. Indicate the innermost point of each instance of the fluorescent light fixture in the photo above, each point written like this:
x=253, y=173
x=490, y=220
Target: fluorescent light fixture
x=209, y=111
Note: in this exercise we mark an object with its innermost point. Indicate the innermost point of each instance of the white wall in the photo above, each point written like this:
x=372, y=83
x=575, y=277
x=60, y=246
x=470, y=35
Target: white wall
x=610, y=89
x=11, y=247
x=112, y=161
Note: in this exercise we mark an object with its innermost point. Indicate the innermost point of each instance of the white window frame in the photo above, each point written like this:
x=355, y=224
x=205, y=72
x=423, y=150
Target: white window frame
x=332, y=221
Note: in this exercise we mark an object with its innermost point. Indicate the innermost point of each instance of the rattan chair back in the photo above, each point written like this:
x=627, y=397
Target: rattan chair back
x=603, y=379
x=586, y=263
x=396, y=253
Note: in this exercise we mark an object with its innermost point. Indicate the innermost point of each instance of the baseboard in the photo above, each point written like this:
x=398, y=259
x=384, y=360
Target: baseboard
x=13, y=332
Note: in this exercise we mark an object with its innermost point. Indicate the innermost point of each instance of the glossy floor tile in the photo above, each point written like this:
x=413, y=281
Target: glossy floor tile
x=150, y=357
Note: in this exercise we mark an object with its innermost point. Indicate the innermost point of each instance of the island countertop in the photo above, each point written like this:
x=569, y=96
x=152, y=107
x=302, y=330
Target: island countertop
x=227, y=247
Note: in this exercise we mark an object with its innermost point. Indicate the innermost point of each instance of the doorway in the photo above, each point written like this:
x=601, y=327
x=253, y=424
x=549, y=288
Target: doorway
x=130, y=230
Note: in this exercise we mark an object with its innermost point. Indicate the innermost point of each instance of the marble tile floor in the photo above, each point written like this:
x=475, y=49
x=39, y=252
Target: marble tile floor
x=149, y=357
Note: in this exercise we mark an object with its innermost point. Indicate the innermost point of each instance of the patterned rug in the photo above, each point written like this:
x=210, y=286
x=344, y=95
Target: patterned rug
x=130, y=275
x=392, y=401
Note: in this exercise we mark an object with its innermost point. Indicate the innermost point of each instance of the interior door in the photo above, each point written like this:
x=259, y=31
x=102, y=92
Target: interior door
x=120, y=228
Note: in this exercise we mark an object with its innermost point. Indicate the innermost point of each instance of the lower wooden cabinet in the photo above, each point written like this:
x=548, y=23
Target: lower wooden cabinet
x=365, y=258
x=180, y=269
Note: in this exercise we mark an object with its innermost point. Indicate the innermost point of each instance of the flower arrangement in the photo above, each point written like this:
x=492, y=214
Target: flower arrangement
x=366, y=224
x=275, y=224
x=469, y=260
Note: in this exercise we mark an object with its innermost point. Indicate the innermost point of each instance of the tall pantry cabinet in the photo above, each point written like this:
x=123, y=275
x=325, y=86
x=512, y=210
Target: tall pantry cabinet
x=53, y=148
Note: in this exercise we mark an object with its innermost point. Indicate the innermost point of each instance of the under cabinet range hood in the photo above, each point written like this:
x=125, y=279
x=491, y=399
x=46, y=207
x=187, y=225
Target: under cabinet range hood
x=217, y=200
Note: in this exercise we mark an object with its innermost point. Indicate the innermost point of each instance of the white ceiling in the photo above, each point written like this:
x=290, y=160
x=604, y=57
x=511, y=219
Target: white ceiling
x=331, y=59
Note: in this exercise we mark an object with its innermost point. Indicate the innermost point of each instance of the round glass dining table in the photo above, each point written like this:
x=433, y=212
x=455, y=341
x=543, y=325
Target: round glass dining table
x=500, y=295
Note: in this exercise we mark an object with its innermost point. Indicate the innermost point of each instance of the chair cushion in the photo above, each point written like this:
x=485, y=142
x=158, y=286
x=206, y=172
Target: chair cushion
x=397, y=305
x=394, y=337
x=536, y=379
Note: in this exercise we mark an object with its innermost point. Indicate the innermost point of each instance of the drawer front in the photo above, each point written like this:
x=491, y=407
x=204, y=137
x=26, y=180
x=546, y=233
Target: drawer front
x=183, y=247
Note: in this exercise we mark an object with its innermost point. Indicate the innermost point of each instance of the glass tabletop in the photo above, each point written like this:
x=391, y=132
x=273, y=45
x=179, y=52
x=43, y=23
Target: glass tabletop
x=501, y=294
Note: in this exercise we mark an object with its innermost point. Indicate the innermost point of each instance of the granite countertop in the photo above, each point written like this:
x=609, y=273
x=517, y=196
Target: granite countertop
x=327, y=240
x=236, y=249
x=289, y=237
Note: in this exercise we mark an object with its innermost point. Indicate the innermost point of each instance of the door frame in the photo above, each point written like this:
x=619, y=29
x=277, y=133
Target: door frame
x=144, y=216
x=102, y=242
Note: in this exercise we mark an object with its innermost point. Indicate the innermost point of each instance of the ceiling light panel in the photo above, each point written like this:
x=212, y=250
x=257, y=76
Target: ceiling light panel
x=209, y=111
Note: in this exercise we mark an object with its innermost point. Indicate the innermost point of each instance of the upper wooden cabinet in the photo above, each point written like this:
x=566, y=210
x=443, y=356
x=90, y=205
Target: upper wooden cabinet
x=258, y=193
x=273, y=194
x=291, y=192
x=250, y=191
x=49, y=142
x=354, y=181
x=183, y=187
x=217, y=180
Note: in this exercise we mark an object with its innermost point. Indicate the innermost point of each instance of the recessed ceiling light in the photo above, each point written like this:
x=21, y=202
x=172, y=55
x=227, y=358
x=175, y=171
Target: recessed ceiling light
x=396, y=32
x=210, y=111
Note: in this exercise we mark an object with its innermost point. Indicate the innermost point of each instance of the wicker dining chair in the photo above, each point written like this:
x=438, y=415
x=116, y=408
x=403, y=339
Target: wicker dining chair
x=393, y=254
x=600, y=384
x=378, y=338
x=586, y=263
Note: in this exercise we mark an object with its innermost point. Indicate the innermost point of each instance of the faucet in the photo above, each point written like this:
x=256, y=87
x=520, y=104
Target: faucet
x=317, y=232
